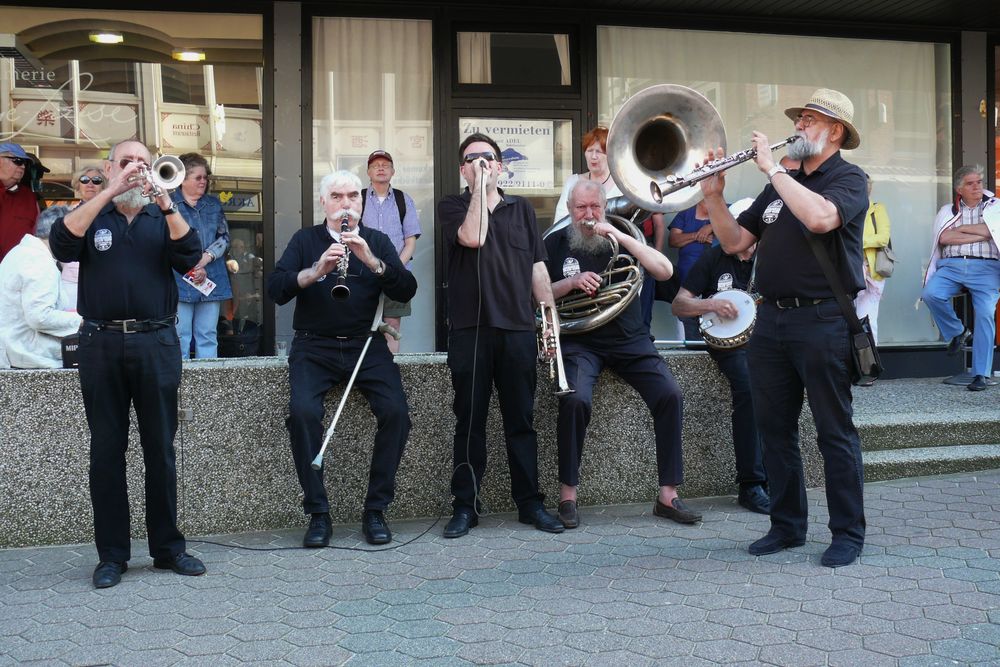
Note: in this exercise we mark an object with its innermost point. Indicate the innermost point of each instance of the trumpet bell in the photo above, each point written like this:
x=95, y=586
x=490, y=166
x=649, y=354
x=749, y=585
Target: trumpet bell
x=167, y=172
x=662, y=130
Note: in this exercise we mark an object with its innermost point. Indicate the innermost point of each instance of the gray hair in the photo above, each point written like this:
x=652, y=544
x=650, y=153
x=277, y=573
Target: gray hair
x=587, y=185
x=84, y=170
x=47, y=218
x=965, y=171
x=114, y=148
x=339, y=179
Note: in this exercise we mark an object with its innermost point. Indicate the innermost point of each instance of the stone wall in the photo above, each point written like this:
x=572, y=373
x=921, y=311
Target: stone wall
x=235, y=471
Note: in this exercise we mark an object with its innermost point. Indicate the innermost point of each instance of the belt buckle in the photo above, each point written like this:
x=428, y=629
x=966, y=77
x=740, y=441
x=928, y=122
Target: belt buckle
x=125, y=328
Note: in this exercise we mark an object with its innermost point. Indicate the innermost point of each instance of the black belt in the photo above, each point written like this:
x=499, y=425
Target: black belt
x=992, y=259
x=798, y=302
x=132, y=326
x=312, y=334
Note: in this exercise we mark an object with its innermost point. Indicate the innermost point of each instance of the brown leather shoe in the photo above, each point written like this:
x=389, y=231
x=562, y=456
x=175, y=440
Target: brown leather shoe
x=676, y=511
x=568, y=514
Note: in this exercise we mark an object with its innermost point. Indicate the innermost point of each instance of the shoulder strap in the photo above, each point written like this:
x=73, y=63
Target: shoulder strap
x=853, y=323
x=400, y=203
x=364, y=200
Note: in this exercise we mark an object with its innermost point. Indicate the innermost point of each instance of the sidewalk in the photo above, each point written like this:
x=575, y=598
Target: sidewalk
x=625, y=588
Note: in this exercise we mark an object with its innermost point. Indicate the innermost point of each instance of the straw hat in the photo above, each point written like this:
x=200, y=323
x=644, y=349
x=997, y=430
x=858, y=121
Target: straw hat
x=835, y=105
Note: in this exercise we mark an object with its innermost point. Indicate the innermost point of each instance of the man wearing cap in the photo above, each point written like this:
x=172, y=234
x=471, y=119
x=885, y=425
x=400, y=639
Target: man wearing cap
x=801, y=340
x=965, y=255
x=392, y=212
x=18, y=205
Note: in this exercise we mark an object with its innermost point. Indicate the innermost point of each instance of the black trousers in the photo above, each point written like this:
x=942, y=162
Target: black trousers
x=637, y=362
x=791, y=351
x=315, y=365
x=746, y=441
x=508, y=361
x=143, y=370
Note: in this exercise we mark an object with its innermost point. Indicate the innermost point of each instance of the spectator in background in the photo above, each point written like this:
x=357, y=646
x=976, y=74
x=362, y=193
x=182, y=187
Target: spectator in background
x=87, y=182
x=876, y=236
x=31, y=322
x=18, y=206
x=393, y=213
x=691, y=234
x=197, y=312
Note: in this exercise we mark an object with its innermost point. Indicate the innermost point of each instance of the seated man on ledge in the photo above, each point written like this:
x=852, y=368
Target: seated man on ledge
x=576, y=255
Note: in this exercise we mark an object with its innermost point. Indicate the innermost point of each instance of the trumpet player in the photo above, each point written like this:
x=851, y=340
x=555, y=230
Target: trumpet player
x=129, y=352
x=576, y=256
x=330, y=336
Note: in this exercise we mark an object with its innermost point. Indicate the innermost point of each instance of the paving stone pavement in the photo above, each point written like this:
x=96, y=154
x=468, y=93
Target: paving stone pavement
x=625, y=588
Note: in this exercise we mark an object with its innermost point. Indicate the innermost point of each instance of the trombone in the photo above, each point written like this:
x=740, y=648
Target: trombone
x=550, y=349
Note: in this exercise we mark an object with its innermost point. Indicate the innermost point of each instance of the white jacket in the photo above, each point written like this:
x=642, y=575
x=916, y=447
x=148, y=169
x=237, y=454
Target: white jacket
x=30, y=322
x=945, y=218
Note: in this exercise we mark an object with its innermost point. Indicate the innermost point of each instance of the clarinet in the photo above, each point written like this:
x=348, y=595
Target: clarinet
x=341, y=291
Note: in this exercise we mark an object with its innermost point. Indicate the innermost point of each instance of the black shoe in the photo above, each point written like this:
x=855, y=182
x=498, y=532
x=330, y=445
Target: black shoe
x=755, y=499
x=108, y=573
x=181, y=563
x=676, y=511
x=462, y=520
x=375, y=528
x=978, y=383
x=319, y=531
x=541, y=520
x=956, y=344
x=568, y=514
x=772, y=543
x=840, y=554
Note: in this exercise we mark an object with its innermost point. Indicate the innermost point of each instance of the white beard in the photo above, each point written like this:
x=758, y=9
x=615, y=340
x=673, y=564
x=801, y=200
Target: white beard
x=131, y=199
x=803, y=148
x=589, y=245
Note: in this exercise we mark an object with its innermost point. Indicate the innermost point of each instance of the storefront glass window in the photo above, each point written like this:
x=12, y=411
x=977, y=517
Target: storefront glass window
x=902, y=107
x=372, y=89
x=70, y=91
x=514, y=59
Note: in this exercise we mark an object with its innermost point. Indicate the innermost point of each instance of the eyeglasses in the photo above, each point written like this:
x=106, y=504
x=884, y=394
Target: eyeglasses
x=200, y=177
x=18, y=161
x=806, y=121
x=472, y=157
x=96, y=180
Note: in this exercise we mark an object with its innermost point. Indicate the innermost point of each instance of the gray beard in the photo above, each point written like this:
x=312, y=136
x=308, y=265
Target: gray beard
x=804, y=149
x=595, y=245
x=131, y=199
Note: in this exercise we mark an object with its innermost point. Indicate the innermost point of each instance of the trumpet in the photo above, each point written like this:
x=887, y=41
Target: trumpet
x=166, y=173
x=341, y=291
x=676, y=182
x=550, y=349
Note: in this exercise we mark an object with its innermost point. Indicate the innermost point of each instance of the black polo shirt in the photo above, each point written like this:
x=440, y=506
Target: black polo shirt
x=564, y=263
x=716, y=271
x=786, y=265
x=316, y=311
x=125, y=268
x=496, y=277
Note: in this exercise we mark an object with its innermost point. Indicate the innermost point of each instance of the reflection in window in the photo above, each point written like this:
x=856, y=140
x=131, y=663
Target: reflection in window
x=183, y=83
x=514, y=59
x=238, y=86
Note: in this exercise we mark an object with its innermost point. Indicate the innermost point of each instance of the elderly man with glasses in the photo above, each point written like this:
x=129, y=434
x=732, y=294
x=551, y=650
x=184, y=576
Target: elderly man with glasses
x=18, y=205
x=496, y=264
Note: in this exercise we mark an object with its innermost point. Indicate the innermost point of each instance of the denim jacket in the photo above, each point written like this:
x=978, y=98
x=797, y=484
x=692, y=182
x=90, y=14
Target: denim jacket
x=208, y=220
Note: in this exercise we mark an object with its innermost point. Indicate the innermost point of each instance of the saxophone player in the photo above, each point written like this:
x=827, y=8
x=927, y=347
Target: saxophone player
x=330, y=335
x=576, y=255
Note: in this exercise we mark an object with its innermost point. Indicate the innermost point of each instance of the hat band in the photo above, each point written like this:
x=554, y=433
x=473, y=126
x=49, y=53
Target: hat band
x=826, y=112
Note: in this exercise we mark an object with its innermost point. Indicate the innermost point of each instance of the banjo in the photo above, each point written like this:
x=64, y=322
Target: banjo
x=726, y=334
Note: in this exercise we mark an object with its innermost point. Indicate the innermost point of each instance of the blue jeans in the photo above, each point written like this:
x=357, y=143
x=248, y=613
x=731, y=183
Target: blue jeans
x=203, y=317
x=982, y=278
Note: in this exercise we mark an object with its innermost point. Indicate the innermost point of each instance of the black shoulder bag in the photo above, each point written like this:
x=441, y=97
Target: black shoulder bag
x=865, y=363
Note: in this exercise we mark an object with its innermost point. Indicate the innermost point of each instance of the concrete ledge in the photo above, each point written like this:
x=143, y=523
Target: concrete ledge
x=912, y=462
x=234, y=465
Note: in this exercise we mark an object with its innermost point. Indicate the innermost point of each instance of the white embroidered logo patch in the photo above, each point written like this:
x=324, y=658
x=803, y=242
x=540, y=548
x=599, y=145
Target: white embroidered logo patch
x=102, y=239
x=571, y=267
x=772, y=211
x=725, y=282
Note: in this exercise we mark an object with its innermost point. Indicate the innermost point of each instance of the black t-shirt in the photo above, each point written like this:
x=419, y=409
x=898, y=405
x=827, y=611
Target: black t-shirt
x=716, y=271
x=316, y=310
x=786, y=265
x=563, y=263
x=125, y=268
x=504, y=264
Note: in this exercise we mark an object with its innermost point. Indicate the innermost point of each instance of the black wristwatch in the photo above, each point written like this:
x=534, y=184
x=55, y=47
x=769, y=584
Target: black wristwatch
x=168, y=211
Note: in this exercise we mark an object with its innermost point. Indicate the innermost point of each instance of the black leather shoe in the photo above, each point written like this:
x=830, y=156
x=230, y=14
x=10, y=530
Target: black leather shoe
x=772, y=543
x=319, y=531
x=956, y=344
x=375, y=528
x=108, y=574
x=568, y=514
x=462, y=520
x=181, y=563
x=541, y=520
x=978, y=383
x=676, y=511
x=755, y=499
x=840, y=554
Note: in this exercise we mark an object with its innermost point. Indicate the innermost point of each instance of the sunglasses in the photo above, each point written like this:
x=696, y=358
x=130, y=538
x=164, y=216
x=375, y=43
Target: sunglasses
x=96, y=180
x=18, y=161
x=124, y=162
x=472, y=157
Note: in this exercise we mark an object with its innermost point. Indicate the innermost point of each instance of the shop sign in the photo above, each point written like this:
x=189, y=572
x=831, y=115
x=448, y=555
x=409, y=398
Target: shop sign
x=239, y=202
x=181, y=132
x=528, y=148
x=242, y=136
x=99, y=123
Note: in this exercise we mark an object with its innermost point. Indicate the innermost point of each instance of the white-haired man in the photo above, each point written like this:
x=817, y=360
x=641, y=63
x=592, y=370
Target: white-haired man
x=801, y=338
x=329, y=337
